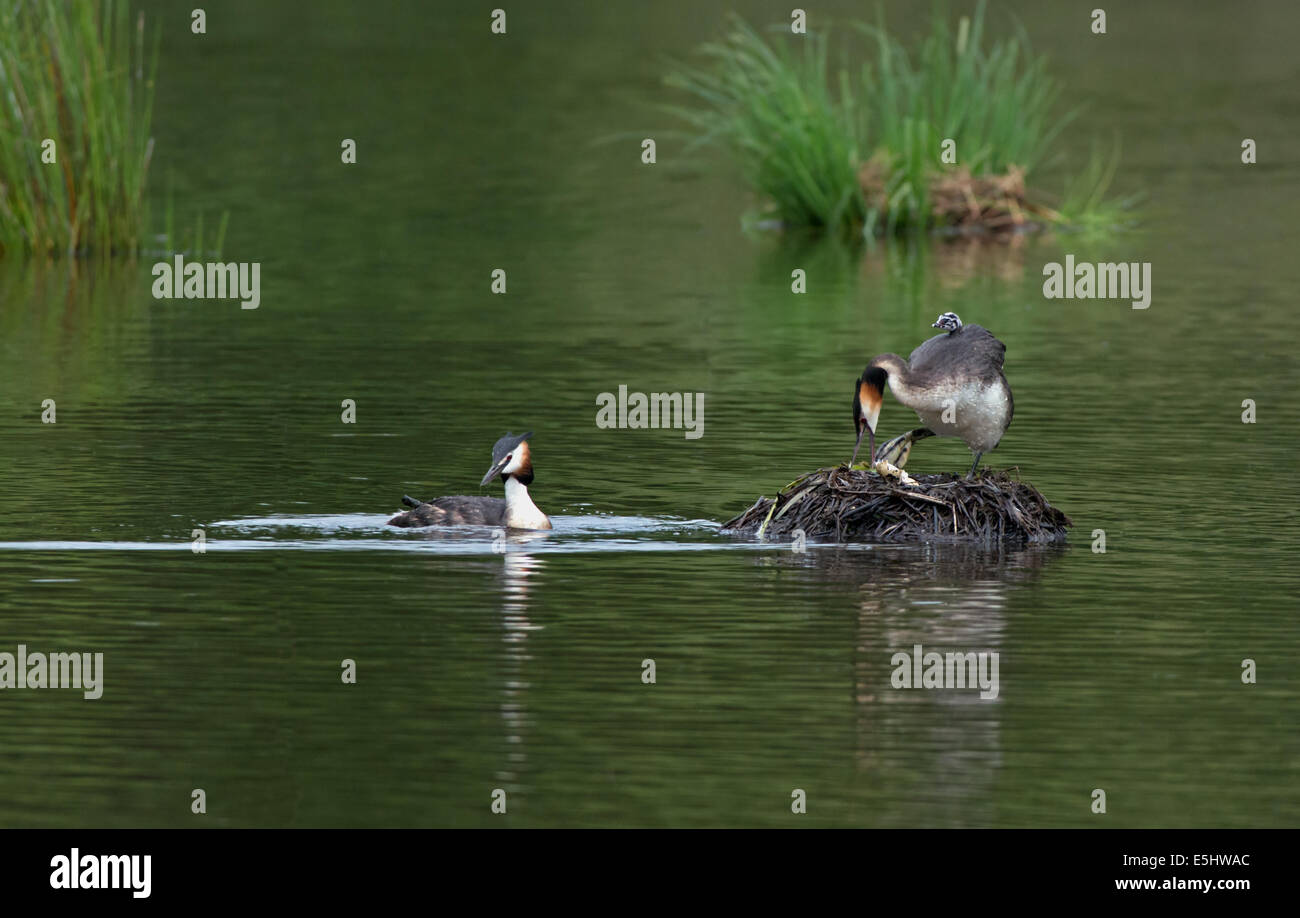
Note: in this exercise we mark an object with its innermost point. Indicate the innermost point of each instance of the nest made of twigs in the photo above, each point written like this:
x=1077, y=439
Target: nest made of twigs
x=995, y=203
x=863, y=506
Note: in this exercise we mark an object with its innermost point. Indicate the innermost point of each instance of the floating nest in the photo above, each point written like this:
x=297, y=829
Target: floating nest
x=964, y=202
x=851, y=505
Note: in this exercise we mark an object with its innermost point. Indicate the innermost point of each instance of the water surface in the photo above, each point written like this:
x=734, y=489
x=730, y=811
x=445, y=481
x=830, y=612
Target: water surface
x=517, y=663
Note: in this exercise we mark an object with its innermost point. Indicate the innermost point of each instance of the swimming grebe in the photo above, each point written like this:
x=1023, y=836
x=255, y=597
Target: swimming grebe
x=511, y=460
x=958, y=373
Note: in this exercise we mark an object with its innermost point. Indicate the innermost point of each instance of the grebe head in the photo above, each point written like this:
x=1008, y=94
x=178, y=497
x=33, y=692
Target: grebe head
x=949, y=322
x=511, y=458
x=868, y=394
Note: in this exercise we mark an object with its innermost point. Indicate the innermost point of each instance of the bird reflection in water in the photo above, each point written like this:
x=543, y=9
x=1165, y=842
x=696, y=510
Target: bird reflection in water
x=519, y=581
x=934, y=755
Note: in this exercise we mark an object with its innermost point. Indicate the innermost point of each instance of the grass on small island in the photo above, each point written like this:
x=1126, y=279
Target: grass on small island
x=858, y=147
x=76, y=104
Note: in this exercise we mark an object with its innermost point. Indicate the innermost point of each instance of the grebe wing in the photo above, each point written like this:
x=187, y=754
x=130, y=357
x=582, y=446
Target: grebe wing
x=972, y=351
x=987, y=348
x=453, y=511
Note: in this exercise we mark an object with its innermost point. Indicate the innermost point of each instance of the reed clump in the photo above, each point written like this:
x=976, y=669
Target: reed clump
x=854, y=505
x=76, y=100
x=888, y=138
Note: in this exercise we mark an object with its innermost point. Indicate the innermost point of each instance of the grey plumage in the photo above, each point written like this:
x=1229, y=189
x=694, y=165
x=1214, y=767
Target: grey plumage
x=456, y=510
x=970, y=352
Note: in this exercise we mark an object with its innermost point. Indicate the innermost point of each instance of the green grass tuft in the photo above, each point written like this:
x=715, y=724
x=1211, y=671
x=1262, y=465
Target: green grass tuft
x=794, y=138
x=74, y=73
x=77, y=72
x=857, y=147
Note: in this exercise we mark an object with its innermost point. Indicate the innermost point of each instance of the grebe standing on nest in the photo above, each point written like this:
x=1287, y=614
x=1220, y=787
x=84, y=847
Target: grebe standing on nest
x=958, y=373
x=511, y=460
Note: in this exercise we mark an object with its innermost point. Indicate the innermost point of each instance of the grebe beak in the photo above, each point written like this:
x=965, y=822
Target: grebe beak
x=871, y=443
x=494, y=471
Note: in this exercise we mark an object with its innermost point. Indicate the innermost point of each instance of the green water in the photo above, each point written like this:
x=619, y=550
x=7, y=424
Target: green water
x=522, y=670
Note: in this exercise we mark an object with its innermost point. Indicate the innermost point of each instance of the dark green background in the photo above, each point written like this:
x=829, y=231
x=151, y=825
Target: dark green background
x=477, y=671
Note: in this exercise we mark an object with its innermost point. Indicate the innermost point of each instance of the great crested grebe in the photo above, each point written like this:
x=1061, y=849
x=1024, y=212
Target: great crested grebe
x=511, y=460
x=957, y=374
